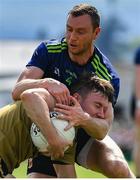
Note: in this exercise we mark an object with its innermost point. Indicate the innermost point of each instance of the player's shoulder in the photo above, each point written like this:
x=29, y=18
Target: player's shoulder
x=55, y=45
x=55, y=41
x=52, y=46
x=100, y=55
x=105, y=63
x=137, y=56
x=138, y=50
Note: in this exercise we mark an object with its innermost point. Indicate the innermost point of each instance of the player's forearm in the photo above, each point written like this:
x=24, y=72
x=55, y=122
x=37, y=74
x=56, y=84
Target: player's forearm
x=23, y=85
x=95, y=127
x=37, y=105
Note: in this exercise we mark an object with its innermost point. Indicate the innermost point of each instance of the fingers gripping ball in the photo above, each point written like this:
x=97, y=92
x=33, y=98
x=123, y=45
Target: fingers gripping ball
x=41, y=142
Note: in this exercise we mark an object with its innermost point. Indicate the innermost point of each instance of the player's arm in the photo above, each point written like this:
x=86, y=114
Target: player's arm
x=31, y=78
x=37, y=103
x=98, y=127
x=95, y=127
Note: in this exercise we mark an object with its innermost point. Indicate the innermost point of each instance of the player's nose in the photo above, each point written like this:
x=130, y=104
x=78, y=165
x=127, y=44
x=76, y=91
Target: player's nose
x=101, y=113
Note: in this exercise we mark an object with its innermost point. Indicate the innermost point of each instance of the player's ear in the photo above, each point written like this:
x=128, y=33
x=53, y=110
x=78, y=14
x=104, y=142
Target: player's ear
x=77, y=96
x=96, y=33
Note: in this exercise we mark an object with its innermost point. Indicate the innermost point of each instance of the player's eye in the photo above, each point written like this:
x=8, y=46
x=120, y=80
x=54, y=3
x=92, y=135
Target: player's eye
x=98, y=105
x=81, y=32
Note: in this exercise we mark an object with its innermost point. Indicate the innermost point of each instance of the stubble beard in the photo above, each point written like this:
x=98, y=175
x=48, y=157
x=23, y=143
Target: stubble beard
x=77, y=52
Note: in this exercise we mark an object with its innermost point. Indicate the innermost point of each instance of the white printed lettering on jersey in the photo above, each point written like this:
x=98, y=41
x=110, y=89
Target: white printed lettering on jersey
x=56, y=71
x=36, y=53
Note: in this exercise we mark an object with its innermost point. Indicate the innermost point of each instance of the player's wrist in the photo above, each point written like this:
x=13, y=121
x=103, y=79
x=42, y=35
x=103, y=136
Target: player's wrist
x=84, y=123
x=49, y=82
x=43, y=83
x=138, y=103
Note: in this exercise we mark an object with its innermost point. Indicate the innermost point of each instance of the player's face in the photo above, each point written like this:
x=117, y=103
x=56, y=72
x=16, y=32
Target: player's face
x=95, y=104
x=80, y=34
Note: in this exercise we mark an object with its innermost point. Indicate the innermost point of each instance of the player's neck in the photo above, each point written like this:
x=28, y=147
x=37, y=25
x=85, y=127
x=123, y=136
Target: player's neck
x=81, y=58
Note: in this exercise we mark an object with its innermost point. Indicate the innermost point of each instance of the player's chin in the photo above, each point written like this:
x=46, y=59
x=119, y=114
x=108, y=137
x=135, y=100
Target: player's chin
x=74, y=51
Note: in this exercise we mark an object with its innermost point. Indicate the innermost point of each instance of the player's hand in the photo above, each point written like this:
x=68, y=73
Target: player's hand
x=74, y=113
x=109, y=113
x=58, y=90
x=56, y=148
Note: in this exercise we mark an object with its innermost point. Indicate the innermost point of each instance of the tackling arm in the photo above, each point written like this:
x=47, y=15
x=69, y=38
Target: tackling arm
x=29, y=79
x=95, y=127
x=37, y=103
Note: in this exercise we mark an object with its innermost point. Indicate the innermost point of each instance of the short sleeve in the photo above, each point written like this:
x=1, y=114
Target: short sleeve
x=40, y=57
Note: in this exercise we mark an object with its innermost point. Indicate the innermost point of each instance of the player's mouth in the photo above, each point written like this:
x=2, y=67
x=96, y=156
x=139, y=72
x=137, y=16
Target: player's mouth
x=73, y=46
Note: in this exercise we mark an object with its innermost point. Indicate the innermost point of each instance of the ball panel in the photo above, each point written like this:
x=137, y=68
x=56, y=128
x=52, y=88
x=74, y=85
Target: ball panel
x=41, y=142
x=60, y=125
x=38, y=139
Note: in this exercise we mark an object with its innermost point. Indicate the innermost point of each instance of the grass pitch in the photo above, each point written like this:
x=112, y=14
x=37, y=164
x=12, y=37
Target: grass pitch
x=81, y=172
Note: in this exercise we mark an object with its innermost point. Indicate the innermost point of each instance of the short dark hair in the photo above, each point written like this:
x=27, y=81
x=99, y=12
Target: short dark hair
x=83, y=9
x=89, y=82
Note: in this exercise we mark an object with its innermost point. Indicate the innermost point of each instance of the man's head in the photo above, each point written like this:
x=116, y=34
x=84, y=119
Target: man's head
x=85, y=9
x=94, y=94
x=82, y=29
x=91, y=83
